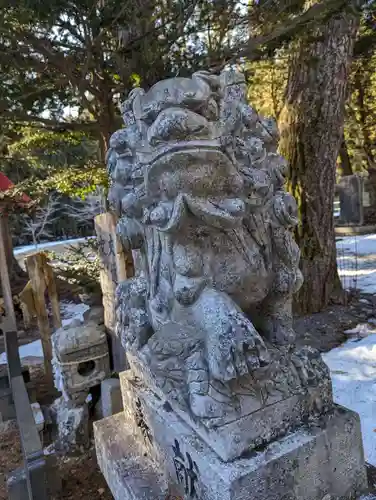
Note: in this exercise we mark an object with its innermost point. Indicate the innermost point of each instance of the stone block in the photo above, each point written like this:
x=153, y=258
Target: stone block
x=310, y=463
x=38, y=416
x=111, y=398
x=73, y=425
x=230, y=439
x=4, y=381
x=80, y=358
x=129, y=472
x=95, y=315
x=7, y=408
x=350, y=196
x=221, y=401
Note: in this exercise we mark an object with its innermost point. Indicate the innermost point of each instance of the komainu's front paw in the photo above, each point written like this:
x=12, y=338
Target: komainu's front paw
x=235, y=348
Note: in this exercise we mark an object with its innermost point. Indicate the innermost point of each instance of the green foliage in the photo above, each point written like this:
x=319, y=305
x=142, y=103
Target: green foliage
x=65, y=66
x=87, y=54
x=78, y=181
x=267, y=81
x=79, y=266
x=268, y=77
x=42, y=161
x=360, y=129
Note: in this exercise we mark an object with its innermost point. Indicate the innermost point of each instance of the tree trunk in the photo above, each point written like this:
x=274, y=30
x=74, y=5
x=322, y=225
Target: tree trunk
x=7, y=239
x=16, y=275
x=345, y=159
x=311, y=125
x=359, y=85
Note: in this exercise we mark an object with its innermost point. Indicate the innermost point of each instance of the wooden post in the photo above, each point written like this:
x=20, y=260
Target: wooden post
x=52, y=295
x=42, y=280
x=4, y=274
x=7, y=241
x=116, y=266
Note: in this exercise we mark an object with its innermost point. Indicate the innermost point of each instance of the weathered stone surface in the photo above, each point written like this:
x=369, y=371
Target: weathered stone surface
x=312, y=462
x=72, y=424
x=130, y=474
x=232, y=438
x=111, y=400
x=17, y=486
x=38, y=416
x=115, y=266
x=199, y=189
x=350, y=189
x=80, y=359
x=219, y=397
x=94, y=315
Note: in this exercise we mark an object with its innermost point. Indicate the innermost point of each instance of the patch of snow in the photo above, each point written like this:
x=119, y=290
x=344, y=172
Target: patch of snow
x=361, y=330
x=364, y=301
x=32, y=352
x=38, y=416
x=71, y=312
x=362, y=244
x=49, y=244
x=356, y=258
x=353, y=371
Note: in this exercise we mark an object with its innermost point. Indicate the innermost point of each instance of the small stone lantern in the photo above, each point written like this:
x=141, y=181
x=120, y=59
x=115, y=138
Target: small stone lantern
x=80, y=358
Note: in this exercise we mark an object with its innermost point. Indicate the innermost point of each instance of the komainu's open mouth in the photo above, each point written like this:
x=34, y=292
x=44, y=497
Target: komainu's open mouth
x=192, y=168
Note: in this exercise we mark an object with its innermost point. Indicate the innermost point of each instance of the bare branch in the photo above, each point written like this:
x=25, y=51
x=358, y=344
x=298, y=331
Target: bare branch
x=57, y=125
x=36, y=223
x=315, y=13
x=85, y=210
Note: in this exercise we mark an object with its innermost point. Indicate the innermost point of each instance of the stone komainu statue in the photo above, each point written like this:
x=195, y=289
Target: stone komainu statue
x=199, y=189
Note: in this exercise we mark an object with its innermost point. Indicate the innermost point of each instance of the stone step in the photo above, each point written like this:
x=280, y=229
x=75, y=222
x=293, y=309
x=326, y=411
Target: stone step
x=130, y=473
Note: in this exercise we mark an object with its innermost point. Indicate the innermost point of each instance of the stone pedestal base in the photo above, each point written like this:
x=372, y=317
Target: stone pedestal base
x=152, y=452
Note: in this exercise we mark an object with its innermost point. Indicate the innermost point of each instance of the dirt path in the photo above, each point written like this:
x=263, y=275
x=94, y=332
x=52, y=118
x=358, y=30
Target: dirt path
x=81, y=477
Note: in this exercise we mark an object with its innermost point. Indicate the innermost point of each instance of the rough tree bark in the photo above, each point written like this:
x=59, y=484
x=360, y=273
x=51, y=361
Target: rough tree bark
x=311, y=125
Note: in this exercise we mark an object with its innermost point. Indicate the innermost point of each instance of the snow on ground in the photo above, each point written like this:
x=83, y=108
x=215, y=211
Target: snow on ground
x=353, y=371
x=356, y=258
x=70, y=311
x=33, y=353
x=53, y=246
x=48, y=245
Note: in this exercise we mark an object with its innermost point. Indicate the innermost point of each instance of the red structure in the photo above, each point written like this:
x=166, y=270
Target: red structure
x=6, y=184
x=10, y=204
